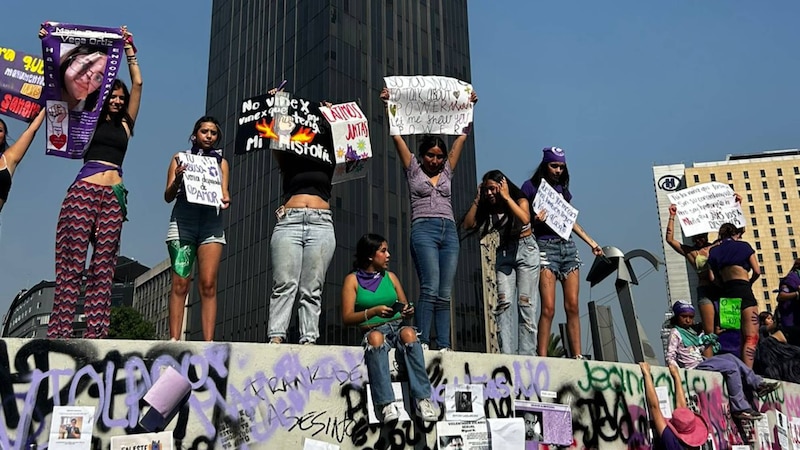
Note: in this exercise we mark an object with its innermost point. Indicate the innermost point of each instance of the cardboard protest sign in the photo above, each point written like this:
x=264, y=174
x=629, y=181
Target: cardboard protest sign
x=21, y=81
x=80, y=65
x=350, y=136
x=464, y=402
x=730, y=313
x=71, y=428
x=705, y=207
x=428, y=105
x=202, y=180
x=280, y=122
x=561, y=216
x=143, y=441
x=462, y=435
x=546, y=423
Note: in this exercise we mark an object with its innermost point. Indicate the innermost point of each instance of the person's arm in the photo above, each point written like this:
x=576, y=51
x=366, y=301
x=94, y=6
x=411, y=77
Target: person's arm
x=787, y=292
x=469, y=221
x=458, y=144
x=652, y=399
x=680, y=396
x=677, y=246
x=174, y=179
x=16, y=151
x=408, y=311
x=135, y=72
x=670, y=357
x=226, y=195
x=349, y=315
x=756, y=269
x=399, y=143
x=596, y=249
x=520, y=208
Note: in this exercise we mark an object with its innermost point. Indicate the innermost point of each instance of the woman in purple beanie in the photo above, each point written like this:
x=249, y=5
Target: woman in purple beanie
x=559, y=257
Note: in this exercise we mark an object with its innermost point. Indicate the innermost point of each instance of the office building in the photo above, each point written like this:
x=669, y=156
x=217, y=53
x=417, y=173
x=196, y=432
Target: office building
x=337, y=51
x=151, y=297
x=769, y=184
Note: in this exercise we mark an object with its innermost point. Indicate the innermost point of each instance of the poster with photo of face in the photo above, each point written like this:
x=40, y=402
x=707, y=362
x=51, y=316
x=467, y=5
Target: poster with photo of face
x=80, y=65
x=71, y=428
x=545, y=423
x=464, y=402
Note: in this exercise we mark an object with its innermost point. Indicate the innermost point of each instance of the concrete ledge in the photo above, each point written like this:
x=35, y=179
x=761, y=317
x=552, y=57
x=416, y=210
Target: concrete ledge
x=260, y=396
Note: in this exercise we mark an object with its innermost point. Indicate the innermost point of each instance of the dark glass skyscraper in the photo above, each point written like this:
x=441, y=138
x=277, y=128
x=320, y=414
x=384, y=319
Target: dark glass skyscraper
x=335, y=50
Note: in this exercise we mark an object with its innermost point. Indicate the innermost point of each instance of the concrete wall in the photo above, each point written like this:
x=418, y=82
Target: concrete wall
x=278, y=395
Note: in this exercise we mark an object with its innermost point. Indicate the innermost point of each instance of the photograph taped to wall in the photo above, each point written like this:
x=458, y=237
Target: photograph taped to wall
x=552, y=422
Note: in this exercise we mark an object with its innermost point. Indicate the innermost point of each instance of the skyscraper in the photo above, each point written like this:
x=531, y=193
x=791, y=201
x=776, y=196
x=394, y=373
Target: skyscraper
x=337, y=51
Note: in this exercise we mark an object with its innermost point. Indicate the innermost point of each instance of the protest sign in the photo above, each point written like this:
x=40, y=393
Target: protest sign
x=561, y=216
x=80, y=65
x=428, y=105
x=21, y=81
x=280, y=122
x=705, y=207
x=148, y=441
x=71, y=428
x=463, y=435
x=202, y=179
x=350, y=136
x=730, y=313
x=464, y=402
x=507, y=433
x=782, y=429
x=764, y=433
x=399, y=402
x=546, y=423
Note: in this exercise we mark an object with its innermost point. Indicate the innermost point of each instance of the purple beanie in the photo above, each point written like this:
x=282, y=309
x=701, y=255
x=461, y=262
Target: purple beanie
x=553, y=154
x=680, y=307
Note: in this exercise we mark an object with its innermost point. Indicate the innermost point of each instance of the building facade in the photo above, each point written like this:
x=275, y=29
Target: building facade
x=769, y=184
x=337, y=51
x=151, y=297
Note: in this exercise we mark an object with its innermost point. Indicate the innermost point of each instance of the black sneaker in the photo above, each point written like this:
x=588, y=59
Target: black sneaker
x=766, y=388
x=747, y=414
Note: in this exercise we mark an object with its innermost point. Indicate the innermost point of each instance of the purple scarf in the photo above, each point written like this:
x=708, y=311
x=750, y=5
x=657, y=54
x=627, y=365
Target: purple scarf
x=369, y=280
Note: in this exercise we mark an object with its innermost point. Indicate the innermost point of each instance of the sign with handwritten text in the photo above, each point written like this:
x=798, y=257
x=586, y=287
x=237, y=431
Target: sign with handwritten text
x=705, y=207
x=350, y=134
x=21, y=81
x=285, y=123
x=202, y=180
x=561, y=216
x=730, y=313
x=428, y=105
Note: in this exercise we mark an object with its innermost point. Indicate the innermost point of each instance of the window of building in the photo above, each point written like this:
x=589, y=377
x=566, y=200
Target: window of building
x=752, y=209
x=696, y=178
x=764, y=185
x=766, y=295
x=786, y=207
x=764, y=282
x=758, y=245
x=790, y=231
x=791, y=243
x=775, y=244
x=747, y=186
x=763, y=173
x=780, y=172
x=797, y=170
x=783, y=195
x=779, y=268
x=794, y=255
x=746, y=174
x=781, y=183
x=730, y=185
x=777, y=256
x=797, y=180
x=760, y=258
x=772, y=232
x=763, y=272
x=753, y=221
x=749, y=197
x=769, y=208
x=788, y=219
x=713, y=177
x=766, y=196
x=755, y=234
x=728, y=176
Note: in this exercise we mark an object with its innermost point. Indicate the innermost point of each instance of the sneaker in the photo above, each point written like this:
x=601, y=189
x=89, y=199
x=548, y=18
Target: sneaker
x=426, y=411
x=747, y=414
x=390, y=413
x=445, y=350
x=276, y=340
x=424, y=346
x=766, y=388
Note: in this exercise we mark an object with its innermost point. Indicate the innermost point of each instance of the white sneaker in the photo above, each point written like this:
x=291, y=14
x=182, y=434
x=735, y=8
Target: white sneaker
x=426, y=411
x=424, y=346
x=390, y=413
x=445, y=350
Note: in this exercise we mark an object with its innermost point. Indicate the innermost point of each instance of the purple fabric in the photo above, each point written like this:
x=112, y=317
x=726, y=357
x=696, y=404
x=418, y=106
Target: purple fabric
x=427, y=200
x=669, y=441
x=540, y=229
x=787, y=309
x=730, y=253
x=369, y=280
x=735, y=373
x=680, y=307
x=95, y=167
x=19, y=71
x=553, y=154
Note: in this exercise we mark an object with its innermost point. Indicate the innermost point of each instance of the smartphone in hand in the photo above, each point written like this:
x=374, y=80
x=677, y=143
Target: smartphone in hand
x=398, y=307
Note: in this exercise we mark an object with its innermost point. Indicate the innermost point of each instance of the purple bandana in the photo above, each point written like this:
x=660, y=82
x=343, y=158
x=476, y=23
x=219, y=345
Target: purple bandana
x=553, y=154
x=369, y=280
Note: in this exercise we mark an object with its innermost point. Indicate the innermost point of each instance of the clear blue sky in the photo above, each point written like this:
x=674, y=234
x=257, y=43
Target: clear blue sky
x=619, y=85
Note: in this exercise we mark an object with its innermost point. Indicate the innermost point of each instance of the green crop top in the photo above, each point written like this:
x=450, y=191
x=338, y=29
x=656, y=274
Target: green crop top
x=385, y=295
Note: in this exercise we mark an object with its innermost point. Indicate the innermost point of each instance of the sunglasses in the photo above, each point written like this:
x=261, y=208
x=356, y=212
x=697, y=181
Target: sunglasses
x=434, y=155
x=557, y=166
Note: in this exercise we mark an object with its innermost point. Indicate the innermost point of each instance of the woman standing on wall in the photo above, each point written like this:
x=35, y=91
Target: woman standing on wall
x=434, y=235
x=93, y=211
x=11, y=155
x=500, y=205
x=559, y=257
x=195, y=232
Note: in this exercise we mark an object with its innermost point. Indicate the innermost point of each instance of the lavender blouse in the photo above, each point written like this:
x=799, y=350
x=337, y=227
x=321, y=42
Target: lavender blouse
x=427, y=200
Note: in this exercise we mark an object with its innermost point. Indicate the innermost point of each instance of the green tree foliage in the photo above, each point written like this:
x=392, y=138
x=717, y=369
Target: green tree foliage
x=554, y=347
x=127, y=323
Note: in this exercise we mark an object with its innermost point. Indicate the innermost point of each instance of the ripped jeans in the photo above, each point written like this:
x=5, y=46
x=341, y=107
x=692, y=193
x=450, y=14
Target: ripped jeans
x=377, y=361
x=517, y=268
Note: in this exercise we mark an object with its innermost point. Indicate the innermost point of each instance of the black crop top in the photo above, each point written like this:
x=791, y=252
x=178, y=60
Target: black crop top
x=305, y=176
x=5, y=183
x=109, y=144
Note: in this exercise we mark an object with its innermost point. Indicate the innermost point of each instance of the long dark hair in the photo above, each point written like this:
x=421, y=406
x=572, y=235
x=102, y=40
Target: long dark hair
x=4, y=144
x=123, y=115
x=366, y=248
x=200, y=122
x=541, y=172
x=510, y=228
x=729, y=230
x=428, y=142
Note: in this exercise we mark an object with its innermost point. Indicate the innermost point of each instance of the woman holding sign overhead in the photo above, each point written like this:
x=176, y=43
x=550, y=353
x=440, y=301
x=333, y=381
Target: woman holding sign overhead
x=93, y=211
x=559, y=256
x=196, y=230
x=434, y=235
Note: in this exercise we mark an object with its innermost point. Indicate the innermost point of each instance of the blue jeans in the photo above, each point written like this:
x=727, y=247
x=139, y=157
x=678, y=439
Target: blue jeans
x=434, y=249
x=301, y=249
x=517, y=268
x=734, y=371
x=559, y=256
x=377, y=361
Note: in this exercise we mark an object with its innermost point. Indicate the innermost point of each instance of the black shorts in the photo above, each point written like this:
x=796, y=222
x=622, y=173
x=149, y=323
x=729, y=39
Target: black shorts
x=740, y=289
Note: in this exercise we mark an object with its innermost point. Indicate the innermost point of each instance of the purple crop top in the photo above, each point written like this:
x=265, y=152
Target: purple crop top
x=541, y=230
x=730, y=253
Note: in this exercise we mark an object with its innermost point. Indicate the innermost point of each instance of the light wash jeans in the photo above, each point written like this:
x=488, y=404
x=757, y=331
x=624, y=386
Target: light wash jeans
x=301, y=249
x=377, y=362
x=517, y=267
x=434, y=249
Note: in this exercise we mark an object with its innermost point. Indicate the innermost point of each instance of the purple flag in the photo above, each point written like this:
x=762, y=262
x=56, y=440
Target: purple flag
x=21, y=81
x=80, y=65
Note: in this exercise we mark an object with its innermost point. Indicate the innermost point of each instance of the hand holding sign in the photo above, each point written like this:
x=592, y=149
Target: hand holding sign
x=202, y=180
x=705, y=207
x=551, y=208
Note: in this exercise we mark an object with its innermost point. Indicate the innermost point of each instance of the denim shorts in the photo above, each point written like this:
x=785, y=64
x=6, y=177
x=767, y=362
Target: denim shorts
x=559, y=256
x=195, y=224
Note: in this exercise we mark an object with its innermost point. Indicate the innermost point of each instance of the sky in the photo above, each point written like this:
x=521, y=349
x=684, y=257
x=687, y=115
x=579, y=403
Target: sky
x=619, y=85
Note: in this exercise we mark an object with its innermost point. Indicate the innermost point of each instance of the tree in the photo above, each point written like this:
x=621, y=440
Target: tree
x=554, y=347
x=127, y=323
